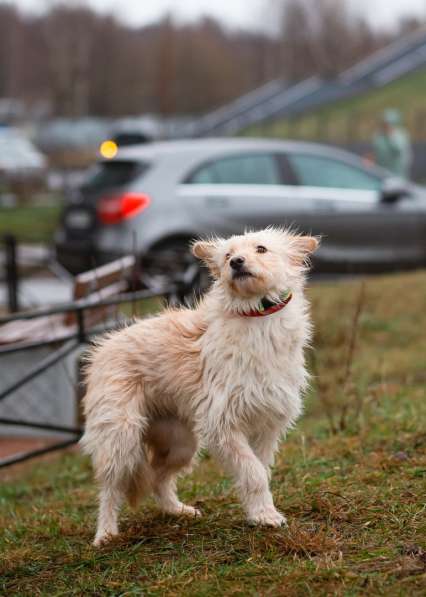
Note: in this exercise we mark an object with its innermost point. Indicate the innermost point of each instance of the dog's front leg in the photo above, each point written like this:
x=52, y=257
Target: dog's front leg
x=264, y=446
x=251, y=478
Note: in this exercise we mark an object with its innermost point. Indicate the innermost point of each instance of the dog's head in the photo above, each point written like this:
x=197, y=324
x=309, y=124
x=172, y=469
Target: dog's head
x=257, y=264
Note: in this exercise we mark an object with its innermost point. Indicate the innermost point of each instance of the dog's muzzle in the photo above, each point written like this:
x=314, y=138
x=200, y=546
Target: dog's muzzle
x=239, y=270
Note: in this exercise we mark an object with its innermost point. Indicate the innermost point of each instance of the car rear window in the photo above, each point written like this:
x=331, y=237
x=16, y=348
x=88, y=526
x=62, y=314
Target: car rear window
x=115, y=173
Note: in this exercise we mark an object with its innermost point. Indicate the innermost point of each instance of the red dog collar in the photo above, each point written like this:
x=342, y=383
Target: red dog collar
x=268, y=308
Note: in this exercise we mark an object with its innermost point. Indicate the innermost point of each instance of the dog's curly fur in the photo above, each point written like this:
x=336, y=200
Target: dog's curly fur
x=163, y=387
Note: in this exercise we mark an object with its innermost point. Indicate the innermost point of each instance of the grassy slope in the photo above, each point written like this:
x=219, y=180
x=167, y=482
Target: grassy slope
x=357, y=117
x=30, y=224
x=355, y=499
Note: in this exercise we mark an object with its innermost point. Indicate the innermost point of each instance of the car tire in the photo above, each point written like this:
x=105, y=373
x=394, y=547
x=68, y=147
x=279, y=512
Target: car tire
x=172, y=264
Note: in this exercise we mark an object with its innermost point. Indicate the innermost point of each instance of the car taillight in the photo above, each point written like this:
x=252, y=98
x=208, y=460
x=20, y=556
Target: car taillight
x=113, y=210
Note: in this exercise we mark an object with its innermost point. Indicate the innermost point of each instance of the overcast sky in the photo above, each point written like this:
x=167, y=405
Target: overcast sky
x=252, y=14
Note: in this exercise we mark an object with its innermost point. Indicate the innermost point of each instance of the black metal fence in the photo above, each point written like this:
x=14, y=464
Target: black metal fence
x=174, y=293
x=11, y=272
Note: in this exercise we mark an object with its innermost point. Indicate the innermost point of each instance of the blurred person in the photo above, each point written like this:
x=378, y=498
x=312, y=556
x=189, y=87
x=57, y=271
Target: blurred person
x=392, y=145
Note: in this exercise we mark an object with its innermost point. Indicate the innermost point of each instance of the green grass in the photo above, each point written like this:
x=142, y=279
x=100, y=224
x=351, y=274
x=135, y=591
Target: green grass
x=30, y=223
x=355, y=119
x=355, y=498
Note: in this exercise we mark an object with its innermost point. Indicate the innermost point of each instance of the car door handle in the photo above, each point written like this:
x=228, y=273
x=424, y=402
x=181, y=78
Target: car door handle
x=217, y=201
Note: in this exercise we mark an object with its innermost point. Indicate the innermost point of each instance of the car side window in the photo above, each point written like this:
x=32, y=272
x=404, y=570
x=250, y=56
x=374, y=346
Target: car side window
x=317, y=171
x=241, y=169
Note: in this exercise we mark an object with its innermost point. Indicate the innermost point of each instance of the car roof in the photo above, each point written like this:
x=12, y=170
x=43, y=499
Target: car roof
x=214, y=145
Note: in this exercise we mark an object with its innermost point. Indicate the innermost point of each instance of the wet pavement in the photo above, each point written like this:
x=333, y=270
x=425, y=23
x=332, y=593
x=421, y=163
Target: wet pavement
x=39, y=291
x=44, y=282
x=29, y=255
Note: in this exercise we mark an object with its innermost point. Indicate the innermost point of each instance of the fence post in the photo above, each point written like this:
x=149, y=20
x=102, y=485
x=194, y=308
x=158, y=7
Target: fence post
x=80, y=326
x=11, y=268
x=80, y=390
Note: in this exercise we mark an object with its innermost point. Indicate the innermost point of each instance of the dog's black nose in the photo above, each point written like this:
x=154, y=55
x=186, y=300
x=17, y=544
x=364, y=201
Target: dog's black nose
x=237, y=263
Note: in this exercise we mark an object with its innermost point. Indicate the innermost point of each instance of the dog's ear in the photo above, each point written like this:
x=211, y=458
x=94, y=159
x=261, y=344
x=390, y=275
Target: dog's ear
x=302, y=247
x=206, y=251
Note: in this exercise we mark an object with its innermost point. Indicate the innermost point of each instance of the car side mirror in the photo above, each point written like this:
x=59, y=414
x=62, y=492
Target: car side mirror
x=394, y=189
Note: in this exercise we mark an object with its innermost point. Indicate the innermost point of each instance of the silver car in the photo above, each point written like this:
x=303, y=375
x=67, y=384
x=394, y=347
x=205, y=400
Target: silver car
x=153, y=199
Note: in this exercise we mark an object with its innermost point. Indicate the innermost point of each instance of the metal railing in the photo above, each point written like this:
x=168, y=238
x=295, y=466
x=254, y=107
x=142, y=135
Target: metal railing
x=11, y=271
x=174, y=293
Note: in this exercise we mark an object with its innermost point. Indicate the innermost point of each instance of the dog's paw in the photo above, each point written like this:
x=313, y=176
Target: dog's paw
x=188, y=511
x=102, y=539
x=183, y=510
x=267, y=516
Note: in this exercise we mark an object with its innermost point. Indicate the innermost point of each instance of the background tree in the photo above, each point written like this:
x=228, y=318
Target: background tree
x=323, y=37
x=80, y=62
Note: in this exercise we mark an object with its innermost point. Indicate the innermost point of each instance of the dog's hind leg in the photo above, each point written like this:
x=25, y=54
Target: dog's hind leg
x=110, y=499
x=166, y=497
x=173, y=447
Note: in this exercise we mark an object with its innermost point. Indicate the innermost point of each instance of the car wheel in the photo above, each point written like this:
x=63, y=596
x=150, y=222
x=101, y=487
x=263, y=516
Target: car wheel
x=172, y=264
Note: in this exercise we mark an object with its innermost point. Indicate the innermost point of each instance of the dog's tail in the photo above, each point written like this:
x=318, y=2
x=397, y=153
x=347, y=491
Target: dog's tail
x=115, y=428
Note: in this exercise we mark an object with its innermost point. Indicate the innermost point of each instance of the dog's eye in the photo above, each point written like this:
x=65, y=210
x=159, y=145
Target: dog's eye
x=227, y=256
x=261, y=249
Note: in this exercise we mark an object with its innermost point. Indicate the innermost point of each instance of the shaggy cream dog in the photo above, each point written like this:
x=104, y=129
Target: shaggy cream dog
x=227, y=375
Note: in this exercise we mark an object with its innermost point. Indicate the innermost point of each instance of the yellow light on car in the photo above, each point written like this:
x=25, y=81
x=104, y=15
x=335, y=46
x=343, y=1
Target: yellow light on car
x=108, y=149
